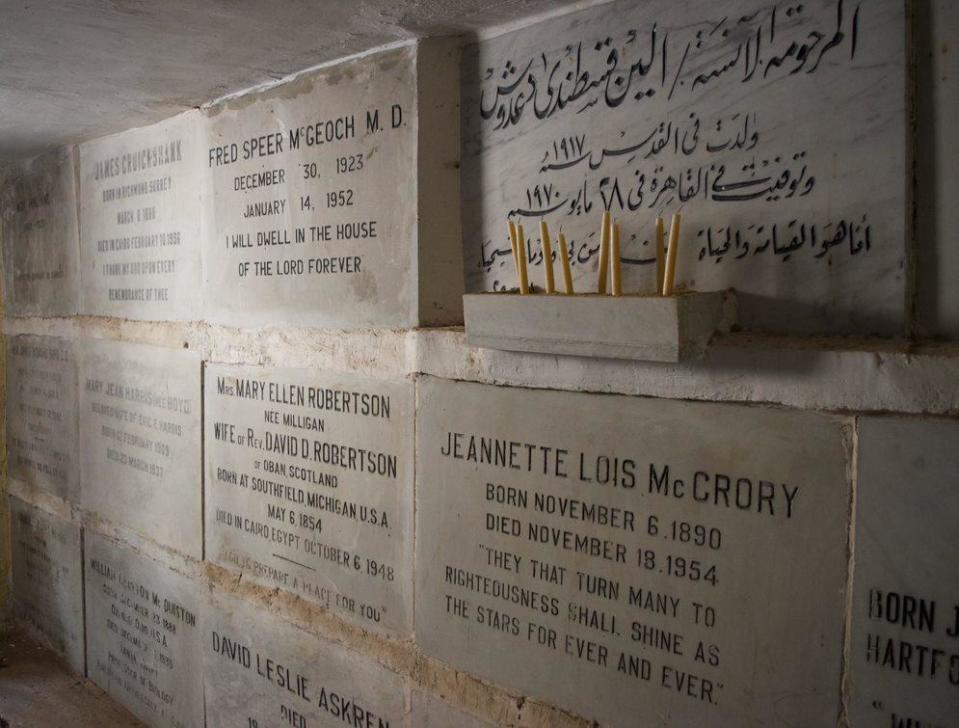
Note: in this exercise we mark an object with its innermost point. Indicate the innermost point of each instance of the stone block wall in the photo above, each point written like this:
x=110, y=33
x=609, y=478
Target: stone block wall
x=256, y=474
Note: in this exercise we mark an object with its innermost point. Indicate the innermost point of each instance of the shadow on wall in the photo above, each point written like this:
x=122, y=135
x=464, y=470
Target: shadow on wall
x=937, y=301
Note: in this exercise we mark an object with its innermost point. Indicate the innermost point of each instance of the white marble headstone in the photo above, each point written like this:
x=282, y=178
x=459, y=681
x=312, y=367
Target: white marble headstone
x=144, y=632
x=261, y=671
x=309, y=487
x=41, y=402
x=47, y=584
x=778, y=129
x=626, y=557
x=40, y=237
x=142, y=217
x=905, y=614
x=314, y=199
x=140, y=439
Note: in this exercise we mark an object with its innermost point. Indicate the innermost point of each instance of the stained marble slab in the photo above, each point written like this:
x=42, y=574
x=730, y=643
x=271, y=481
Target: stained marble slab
x=314, y=199
x=627, y=557
x=262, y=671
x=431, y=712
x=143, y=210
x=310, y=487
x=904, y=667
x=41, y=408
x=47, y=580
x=140, y=440
x=760, y=122
x=144, y=627
x=40, y=235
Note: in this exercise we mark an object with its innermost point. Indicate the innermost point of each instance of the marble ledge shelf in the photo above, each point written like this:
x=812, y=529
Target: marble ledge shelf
x=643, y=328
x=832, y=373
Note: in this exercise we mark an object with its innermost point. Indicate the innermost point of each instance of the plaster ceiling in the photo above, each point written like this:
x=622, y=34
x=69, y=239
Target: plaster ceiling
x=77, y=69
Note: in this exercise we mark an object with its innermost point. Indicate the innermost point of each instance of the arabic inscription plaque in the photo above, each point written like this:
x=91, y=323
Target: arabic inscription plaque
x=759, y=121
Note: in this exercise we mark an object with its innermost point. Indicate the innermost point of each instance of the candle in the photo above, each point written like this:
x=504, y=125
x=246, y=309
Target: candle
x=521, y=252
x=547, y=256
x=603, y=253
x=564, y=258
x=660, y=254
x=673, y=251
x=512, y=241
x=616, y=272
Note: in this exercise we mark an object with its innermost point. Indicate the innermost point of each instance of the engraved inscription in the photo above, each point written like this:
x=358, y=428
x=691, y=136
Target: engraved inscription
x=310, y=482
x=314, y=199
x=623, y=543
x=758, y=119
x=140, y=440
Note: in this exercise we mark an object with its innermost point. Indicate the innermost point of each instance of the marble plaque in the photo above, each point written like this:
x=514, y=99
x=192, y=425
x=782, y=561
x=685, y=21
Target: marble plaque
x=624, y=557
x=42, y=414
x=261, y=672
x=143, y=634
x=40, y=237
x=310, y=487
x=140, y=440
x=905, y=614
x=314, y=199
x=760, y=121
x=142, y=212
x=48, y=580
x=431, y=712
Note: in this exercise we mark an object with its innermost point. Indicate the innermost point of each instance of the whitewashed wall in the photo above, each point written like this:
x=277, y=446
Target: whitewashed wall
x=273, y=482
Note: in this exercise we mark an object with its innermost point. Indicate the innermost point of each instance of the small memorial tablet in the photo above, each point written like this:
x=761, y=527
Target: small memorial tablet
x=48, y=580
x=310, y=487
x=40, y=238
x=262, y=671
x=778, y=130
x=142, y=211
x=140, y=440
x=625, y=557
x=42, y=414
x=314, y=199
x=144, y=634
x=905, y=613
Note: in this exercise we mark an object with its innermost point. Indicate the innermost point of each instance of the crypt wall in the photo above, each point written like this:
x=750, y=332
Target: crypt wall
x=257, y=475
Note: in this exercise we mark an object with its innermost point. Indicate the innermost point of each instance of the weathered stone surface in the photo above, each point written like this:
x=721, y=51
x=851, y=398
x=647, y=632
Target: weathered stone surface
x=431, y=712
x=42, y=414
x=842, y=376
x=634, y=557
x=310, y=487
x=140, y=440
x=144, y=632
x=760, y=121
x=48, y=579
x=314, y=199
x=905, y=614
x=142, y=213
x=262, y=671
x=40, y=237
